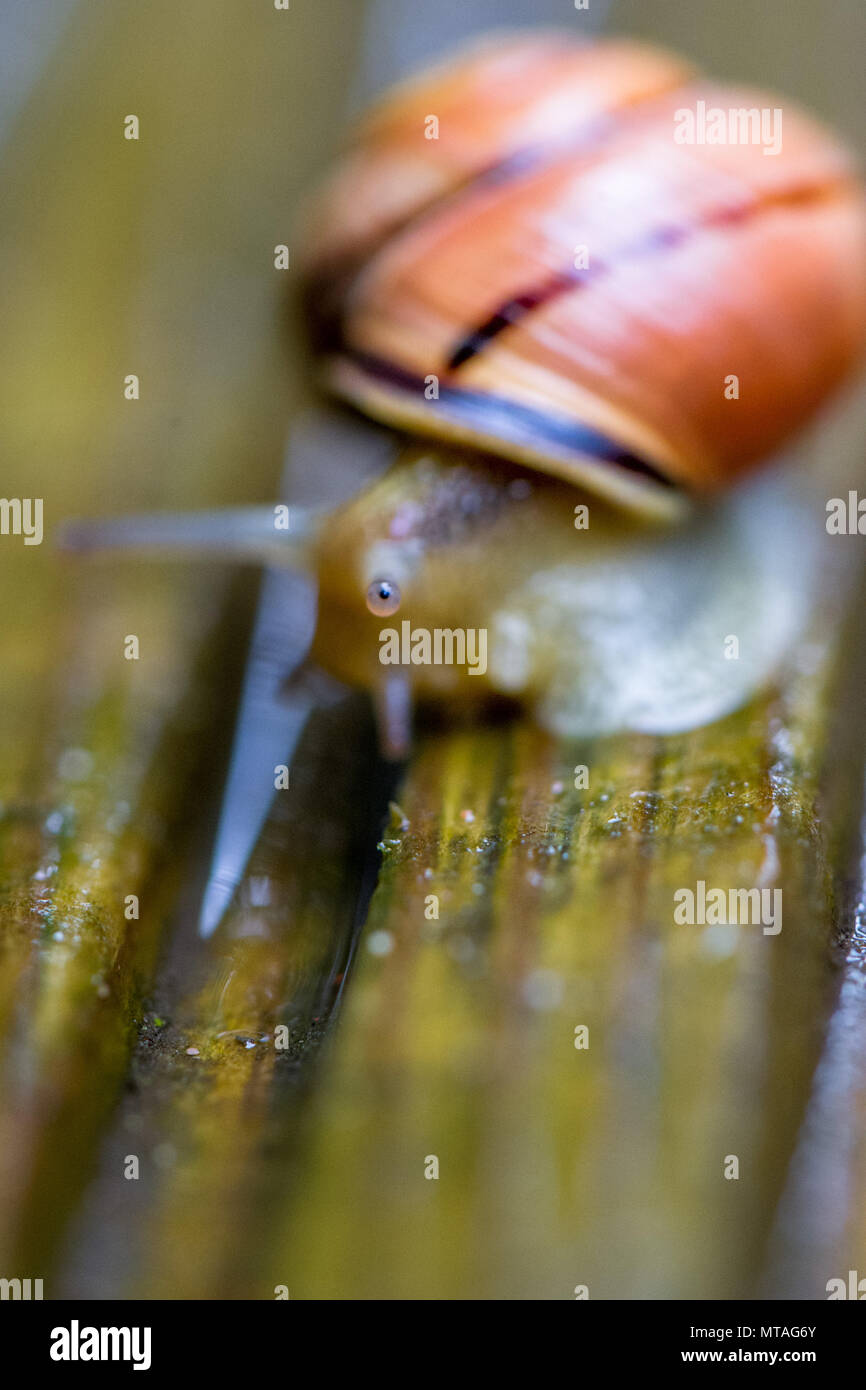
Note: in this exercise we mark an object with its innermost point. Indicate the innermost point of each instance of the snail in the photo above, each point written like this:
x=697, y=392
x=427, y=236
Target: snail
x=594, y=330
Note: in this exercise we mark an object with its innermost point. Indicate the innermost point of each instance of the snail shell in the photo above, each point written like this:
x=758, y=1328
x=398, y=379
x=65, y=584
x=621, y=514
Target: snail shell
x=455, y=264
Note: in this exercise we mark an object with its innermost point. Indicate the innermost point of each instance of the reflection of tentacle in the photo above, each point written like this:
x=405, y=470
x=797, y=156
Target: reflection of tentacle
x=393, y=706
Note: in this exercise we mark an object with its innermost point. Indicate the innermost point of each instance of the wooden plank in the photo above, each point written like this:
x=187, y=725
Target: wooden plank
x=152, y=257
x=217, y=1097
x=562, y=1167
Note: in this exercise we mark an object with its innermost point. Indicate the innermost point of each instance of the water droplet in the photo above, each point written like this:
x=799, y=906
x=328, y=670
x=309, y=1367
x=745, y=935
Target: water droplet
x=75, y=765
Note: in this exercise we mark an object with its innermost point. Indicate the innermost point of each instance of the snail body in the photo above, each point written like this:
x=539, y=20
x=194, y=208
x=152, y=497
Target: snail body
x=574, y=310
x=594, y=621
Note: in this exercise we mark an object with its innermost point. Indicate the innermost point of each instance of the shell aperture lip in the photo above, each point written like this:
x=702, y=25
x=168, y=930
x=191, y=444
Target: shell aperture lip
x=499, y=416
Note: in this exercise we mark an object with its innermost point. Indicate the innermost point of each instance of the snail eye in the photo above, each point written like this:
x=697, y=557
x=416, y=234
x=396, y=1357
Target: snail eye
x=383, y=598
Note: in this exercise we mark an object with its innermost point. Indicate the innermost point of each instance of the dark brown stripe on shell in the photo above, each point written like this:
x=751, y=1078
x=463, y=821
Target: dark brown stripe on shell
x=326, y=288
x=511, y=312
x=661, y=239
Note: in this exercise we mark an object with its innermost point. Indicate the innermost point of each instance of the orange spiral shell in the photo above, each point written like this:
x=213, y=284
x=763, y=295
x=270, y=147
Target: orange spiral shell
x=458, y=259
